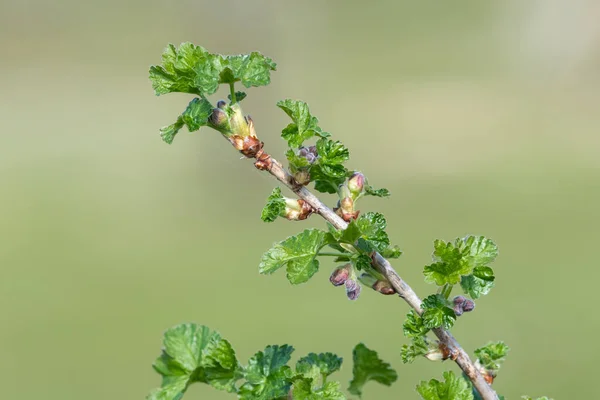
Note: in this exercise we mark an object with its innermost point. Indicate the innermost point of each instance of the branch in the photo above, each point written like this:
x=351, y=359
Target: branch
x=267, y=163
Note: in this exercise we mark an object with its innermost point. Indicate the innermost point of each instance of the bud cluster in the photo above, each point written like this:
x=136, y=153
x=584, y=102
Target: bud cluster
x=462, y=305
x=345, y=275
x=349, y=192
x=302, y=175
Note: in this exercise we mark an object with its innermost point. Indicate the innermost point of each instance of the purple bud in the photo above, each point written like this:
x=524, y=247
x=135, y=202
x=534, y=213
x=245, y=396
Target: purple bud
x=340, y=275
x=356, y=183
x=459, y=300
x=468, y=305
x=221, y=104
x=308, y=154
x=458, y=310
x=219, y=119
x=352, y=289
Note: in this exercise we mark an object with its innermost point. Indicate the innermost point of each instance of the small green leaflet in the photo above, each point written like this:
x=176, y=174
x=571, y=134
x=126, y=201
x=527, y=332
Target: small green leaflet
x=479, y=283
x=492, y=355
x=368, y=367
x=297, y=254
x=195, y=115
x=304, y=125
x=436, y=312
x=454, y=260
x=413, y=325
x=453, y=388
x=267, y=375
x=304, y=390
x=371, y=191
x=275, y=206
x=239, y=96
x=194, y=353
x=192, y=69
x=327, y=363
x=373, y=236
x=418, y=347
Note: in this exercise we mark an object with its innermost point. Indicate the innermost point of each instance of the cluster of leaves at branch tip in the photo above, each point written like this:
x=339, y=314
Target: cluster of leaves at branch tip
x=195, y=354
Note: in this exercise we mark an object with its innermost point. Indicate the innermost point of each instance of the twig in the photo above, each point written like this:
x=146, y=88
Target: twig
x=460, y=356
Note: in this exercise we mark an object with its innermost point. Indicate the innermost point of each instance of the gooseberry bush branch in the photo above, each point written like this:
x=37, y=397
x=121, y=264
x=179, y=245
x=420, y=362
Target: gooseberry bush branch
x=356, y=241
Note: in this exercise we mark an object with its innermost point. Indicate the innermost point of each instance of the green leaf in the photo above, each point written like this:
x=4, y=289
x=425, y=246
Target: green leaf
x=538, y=398
x=220, y=364
x=275, y=206
x=167, y=133
x=391, y=252
x=327, y=363
x=368, y=367
x=479, y=283
x=492, y=355
x=453, y=388
x=186, y=342
x=255, y=70
x=297, y=254
x=413, y=325
x=451, y=261
x=239, y=96
x=418, y=347
x=195, y=115
x=303, y=390
x=188, y=69
x=174, y=390
x=371, y=191
x=267, y=375
x=436, y=312
x=372, y=227
x=304, y=125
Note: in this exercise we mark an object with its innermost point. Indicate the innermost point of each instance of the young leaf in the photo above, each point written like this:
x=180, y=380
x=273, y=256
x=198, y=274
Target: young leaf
x=368, y=367
x=418, y=347
x=174, y=390
x=479, y=283
x=391, y=252
x=371, y=191
x=185, y=343
x=297, y=254
x=413, y=325
x=267, y=375
x=187, y=69
x=303, y=390
x=195, y=115
x=372, y=227
x=275, y=206
x=436, y=312
x=327, y=363
x=477, y=250
x=239, y=96
x=492, y=355
x=453, y=388
x=304, y=125
x=252, y=69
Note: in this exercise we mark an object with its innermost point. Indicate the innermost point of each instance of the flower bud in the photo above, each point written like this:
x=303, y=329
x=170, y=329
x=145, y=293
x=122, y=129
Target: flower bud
x=302, y=176
x=383, y=287
x=340, y=275
x=219, y=119
x=352, y=289
x=356, y=184
x=309, y=153
x=297, y=209
x=468, y=305
x=221, y=104
x=458, y=310
x=435, y=355
x=459, y=300
x=345, y=209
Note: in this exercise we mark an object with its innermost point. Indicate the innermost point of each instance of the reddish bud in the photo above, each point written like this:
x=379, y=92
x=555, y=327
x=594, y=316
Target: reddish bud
x=356, y=184
x=459, y=300
x=219, y=119
x=340, y=275
x=458, y=310
x=383, y=287
x=302, y=177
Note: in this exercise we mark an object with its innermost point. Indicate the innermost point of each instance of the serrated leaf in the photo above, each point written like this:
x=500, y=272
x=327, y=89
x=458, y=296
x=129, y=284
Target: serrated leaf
x=174, y=390
x=418, y=347
x=371, y=191
x=275, y=206
x=492, y=355
x=479, y=283
x=255, y=70
x=186, y=342
x=297, y=254
x=303, y=390
x=304, y=125
x=167, y=133
x=391, y=252
x=436, y=312
x=196, y=114
x=413, y=325
x=368, y=367
x=453, y=388
x=187, y=69
x=327, y=363
x=478, y=250
x=221, y=368
x=268, y=377
x=239, y=96
x=372, y=227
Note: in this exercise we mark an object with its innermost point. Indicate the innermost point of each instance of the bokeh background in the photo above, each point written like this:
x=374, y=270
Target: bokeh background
x=480, y=117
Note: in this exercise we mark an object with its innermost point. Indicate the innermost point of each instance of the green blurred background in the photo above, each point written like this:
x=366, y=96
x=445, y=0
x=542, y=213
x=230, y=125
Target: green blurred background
x=480, y=117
